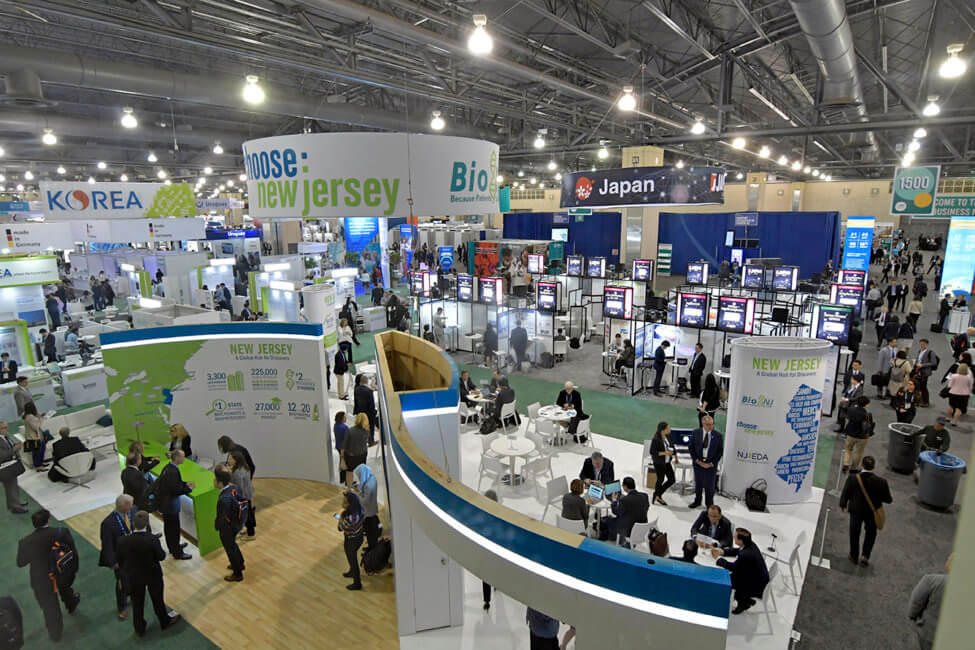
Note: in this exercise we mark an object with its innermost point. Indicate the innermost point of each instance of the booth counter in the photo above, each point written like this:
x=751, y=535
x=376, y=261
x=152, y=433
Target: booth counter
x=41, y=388
x=84, y=385
x=373, y=318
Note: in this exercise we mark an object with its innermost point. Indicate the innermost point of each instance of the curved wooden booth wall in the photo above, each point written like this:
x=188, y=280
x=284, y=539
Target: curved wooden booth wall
x=614, y=596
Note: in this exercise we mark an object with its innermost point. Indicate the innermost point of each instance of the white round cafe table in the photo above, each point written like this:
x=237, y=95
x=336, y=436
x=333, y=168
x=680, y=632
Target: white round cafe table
x=514, y=448
x=556, y=413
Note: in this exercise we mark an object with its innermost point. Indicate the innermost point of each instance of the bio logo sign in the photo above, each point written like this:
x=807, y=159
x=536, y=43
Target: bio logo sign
x=761, y=401
x=79, y=200
x=466, y=181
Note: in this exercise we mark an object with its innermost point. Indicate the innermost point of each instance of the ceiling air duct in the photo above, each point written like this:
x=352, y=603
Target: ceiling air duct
x=23, y=90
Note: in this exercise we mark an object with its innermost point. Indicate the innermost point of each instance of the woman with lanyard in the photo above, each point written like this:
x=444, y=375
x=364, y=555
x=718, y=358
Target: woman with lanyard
x=905, y=402
x=664, y=458
x=366, y=487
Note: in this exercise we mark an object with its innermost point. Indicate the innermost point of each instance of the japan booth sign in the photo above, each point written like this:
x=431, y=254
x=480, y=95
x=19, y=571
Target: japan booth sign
x=633, y=186
x=316, y=175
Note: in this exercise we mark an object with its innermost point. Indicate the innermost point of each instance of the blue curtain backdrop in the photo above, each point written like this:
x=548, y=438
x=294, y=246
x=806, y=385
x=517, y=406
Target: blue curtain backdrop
x=597, y=235
x=803, y=239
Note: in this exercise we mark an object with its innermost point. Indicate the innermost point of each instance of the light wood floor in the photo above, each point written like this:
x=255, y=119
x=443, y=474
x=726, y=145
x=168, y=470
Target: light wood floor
x=293, y=594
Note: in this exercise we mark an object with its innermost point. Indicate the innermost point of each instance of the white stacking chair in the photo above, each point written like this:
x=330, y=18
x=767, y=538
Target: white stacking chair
x=560, y=349
x=508, y=412
x=549, y=431
x=540, y=448
x=466, y=413
x=486, y=451
x=794, y=561
x=533, y=409
x=491, y=468
x=77, y=469
x=769, y=606
x=585, y=429
x=638, y=535
x=554, y=491
x=537, y=467
x=646, y=459
x=571, y=525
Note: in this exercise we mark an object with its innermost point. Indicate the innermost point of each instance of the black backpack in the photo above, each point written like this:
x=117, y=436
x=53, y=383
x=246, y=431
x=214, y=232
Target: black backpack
x=547, y=360
x=574, y=343
x=62, y=560
x=376, y=558
x=488, y=425
x=237, y=508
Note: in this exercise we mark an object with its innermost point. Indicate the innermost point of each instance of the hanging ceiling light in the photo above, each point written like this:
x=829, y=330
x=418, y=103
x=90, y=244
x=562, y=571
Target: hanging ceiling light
x=603, y=153
x=698, y=127
x=20, y=186
x=558, y=176
x=161, y=173
x=201, y=181
x=920, y=133
x=806, y=169
x=521, y=173
x=533, y=180
x=208, y=170
x=124, y=178
x=909, y=158
x=739, y=176
x=91, y=180
x=62, y=170
x=151, y=157
x=783, y=161
x=217, y=149
x=913, y=145
x=953, y=67
x=28, y=175
x=680, y=164
x=500, y=179
x=797, y=165
x=2, y=152
x=764, y=152
x=552, y=166
x=540, y=139
x=128, y=119
x=242, y=178
x=738, y=143
x=480, y=42
x=167, y=182
x=252, y=93
x=815, y=172
x=223, y=186
x=932, y=108
x=49, y=138
x=437, y=123
x=627, y=102
x=3, y=178
x=101, y=165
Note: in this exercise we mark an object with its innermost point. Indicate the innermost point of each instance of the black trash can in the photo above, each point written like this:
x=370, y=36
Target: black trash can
x=940, y=474
x=903, y=446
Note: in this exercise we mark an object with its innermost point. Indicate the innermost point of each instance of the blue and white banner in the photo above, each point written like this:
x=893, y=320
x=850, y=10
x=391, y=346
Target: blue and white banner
x=445, y=255
x=858, y=243
x=959, y=267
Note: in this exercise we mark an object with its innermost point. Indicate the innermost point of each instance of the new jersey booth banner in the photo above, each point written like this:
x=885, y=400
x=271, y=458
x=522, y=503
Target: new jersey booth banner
x=68, y=201
x=643, y=186
x=774, y=408
x=263, y=384
x=370, y=174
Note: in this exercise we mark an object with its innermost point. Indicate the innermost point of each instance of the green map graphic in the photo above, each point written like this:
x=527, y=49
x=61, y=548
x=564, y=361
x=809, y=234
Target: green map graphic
x=176, y=200
x=141, y=380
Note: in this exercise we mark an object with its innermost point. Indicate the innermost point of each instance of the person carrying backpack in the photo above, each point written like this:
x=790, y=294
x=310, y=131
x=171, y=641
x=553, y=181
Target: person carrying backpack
x=53, y=561
x=231, y=514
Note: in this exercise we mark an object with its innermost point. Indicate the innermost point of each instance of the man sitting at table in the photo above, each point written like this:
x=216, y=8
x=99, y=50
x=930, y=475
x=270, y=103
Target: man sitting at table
x=495, y=381
x=597, y=469
x=466, y=387
x=715, y=525
x=630, y=508
x=506, y=395
x=749, y=574
x=68, y=445
x=571, y=399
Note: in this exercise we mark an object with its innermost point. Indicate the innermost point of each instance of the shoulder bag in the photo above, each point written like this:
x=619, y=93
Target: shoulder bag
x=879, y=516
x=756, y=497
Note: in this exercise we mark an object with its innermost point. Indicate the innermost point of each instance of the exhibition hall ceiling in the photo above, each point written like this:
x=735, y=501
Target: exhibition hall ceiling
x=729, y=82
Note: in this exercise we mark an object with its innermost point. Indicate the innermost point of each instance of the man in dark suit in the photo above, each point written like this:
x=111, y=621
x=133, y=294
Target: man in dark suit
x=114, y=527
x=139, y=555
x=696, y=370
x=597, y=469
x=364, y=402
x=226, y=445
x=749, y=574
x=9, y=451
x=35, y=550
x=715, y=525
x=902, y=291
x=506, y=395
x=855, y=370
x=171, y=487
x=518, y=339
x=8, y=368
x=135, y=483
x=49, y=345
x=855, y=501
x=850, y=394
x=707, y=448
x=466, y=386
x=631, y=508
x=880, y=324
x=228, y=522
x=659, y=363
x=571, y=399
x=68, y=445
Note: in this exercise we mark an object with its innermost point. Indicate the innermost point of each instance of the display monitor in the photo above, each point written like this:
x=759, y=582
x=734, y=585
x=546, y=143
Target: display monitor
x=729, y=238
x=642, y=270
x=560, y=234
x=736, y=314
x=420, y=283
x=465, y=288
x=846, y=294
x=753, y=276
x=618, y=302
x=573, y=265
x=833, y=323
x=547, y=296
x=850, y=276
x=697, y=272
x=536, y=264
x=596, y=268
x=490, y=291
x=785, y=278
x=692, y=309
x=780, y=315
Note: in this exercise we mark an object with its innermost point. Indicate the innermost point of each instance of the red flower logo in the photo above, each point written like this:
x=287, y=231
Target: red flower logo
x=583, y=188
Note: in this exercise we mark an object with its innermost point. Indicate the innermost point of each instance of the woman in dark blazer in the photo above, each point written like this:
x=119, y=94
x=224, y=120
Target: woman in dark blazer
x=664, y=457
x=179, y=438
x=574, y=506
x=905, y=402
x=710, y=399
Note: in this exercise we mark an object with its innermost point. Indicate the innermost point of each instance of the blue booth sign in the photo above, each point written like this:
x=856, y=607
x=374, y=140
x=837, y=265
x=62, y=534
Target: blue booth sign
x=446, y=256
x=858, y=243
x=959, y=266
x=746, y=218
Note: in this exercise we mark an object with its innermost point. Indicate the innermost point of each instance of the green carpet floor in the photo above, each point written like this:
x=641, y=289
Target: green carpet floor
x=95, y=623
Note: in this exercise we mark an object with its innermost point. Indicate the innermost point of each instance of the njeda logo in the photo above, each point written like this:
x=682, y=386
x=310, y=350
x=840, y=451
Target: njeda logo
x=761, y=401
x=79, y=200
x=751, y=456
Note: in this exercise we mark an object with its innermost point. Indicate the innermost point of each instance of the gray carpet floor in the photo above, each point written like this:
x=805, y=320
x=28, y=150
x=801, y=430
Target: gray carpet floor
x=852, y=606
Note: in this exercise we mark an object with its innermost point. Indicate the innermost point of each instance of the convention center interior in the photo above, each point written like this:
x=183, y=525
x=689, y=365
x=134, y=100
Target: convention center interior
x=487, y=324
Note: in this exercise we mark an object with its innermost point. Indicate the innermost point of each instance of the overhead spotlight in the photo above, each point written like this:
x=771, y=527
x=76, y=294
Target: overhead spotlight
x=151, y=157
x=558, y=176
x=480, y=42
x=533, y=180
x=208, y=170
x=252, y=93
x=101, y=165
x=2, y=152
x=920, y=133
x=738, y=143
x=932, y=108
x=62, y=170
x=764, y=152
x=806, y=169
x=20, y=186
x=437, y=123
x=783, y=161
x=242, y=178
x=230, y=183
x=3, y=179
x=541, y=186
x=217, y=149
x=913, y=145
x=953, y=67
x=627, y=102
x=698, y=127
x=161, y=174
x=49, y=138
x=797, y=165
x=593, y=168
x=91, y=180
x=680, y=164
x=603, y=153
x=815, y=172
x=124, y=178
x=739, y=176
x=167, y=182
x=28, y=175
x=128, y=119
x=223, y=186
x=500, y=179
x=201, y=180
x=552, y=166
x=908, y=159
x=540, y=139
x=521, y=173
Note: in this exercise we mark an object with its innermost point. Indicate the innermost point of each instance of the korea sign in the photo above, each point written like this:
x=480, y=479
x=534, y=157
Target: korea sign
x=82, y=201
x=914, y=190
x=643, y=186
